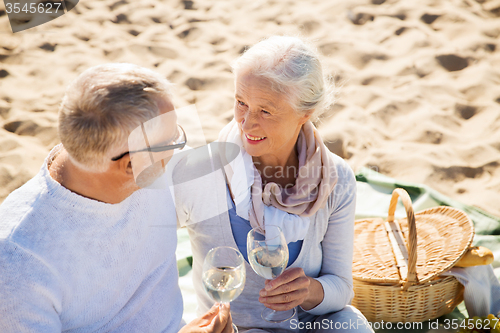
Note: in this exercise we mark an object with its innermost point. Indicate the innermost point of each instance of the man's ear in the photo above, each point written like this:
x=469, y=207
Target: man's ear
x=125, y=165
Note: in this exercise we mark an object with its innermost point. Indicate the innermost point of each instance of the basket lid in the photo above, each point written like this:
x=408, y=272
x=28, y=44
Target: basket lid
x=443, y=235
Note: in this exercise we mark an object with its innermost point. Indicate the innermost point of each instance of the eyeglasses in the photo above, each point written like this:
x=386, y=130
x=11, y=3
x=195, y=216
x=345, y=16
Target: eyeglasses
x=180, y=142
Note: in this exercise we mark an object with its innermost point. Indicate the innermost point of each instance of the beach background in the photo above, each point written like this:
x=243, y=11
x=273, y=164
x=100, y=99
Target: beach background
x=419, y=81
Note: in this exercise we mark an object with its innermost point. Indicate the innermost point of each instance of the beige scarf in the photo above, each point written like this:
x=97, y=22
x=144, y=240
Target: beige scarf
x=316, y=179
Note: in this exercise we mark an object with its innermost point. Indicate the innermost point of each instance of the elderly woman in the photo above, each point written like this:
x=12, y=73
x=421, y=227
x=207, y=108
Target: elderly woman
x=284, y=175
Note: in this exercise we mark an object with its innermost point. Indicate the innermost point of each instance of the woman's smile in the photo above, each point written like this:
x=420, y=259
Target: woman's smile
x=254, y=139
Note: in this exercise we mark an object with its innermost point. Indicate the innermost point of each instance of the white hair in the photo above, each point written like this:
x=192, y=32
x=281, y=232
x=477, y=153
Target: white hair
x=294, y=69
x=102, y=106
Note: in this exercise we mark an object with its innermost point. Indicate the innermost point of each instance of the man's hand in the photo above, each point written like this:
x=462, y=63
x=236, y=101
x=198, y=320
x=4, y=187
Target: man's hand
x=290, y=289
x=216, y=320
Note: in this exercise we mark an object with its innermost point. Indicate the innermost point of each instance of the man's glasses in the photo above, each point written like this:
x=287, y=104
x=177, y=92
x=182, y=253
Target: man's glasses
x=178, y=143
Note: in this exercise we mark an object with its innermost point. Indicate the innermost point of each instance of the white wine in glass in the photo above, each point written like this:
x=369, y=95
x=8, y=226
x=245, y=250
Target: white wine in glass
x=268, y=263
x=224, y=275
x=268, y=255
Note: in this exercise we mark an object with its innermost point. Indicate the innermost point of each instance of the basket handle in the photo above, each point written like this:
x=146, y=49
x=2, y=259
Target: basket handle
x=412, y=237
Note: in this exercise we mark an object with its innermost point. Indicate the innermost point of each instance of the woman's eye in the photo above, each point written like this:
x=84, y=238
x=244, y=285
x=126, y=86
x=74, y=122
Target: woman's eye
x=241, y=103
x=266, y=112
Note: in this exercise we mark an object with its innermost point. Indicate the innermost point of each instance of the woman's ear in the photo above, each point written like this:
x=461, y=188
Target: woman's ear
x=307, y=115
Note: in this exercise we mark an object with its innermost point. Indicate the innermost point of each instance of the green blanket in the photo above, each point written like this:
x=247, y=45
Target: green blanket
x=373, y=197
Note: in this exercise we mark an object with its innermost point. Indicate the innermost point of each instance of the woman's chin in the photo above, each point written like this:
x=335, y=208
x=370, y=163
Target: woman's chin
x=253, y=151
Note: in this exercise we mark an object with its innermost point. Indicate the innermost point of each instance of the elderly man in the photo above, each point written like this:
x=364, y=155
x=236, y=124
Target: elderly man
x=79, y=250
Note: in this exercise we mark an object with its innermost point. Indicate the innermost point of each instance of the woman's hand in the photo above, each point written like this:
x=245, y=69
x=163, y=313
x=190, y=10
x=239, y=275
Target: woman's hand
x=216, y=320
x=290, y=289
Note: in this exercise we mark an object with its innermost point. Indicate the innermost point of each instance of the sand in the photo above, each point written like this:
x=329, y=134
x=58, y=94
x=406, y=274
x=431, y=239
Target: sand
x=419, y=96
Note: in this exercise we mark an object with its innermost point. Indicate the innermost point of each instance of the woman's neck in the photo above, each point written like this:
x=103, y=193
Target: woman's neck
x=280, y=171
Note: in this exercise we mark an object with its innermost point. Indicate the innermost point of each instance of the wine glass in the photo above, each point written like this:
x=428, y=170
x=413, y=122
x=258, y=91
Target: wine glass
x=224, y=275
x=268, y=255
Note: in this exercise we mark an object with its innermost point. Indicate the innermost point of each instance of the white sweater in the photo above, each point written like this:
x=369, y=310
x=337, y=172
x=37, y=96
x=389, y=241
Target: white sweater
x=326, y=252
x=72, y=264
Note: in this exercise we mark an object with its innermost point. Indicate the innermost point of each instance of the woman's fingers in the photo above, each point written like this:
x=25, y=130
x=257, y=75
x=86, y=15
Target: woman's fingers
x=286, y=277
x=284, y=302
x=302, y=282
x=287, y=291
x=294, y=296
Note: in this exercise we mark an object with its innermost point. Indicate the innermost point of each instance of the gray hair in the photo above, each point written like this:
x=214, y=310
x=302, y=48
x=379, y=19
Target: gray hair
x=294, y=69
x=102, y=106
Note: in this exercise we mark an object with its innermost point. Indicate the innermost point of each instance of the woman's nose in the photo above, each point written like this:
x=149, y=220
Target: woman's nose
x=248, y=121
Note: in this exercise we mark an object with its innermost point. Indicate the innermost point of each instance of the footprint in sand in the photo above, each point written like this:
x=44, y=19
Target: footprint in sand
x=429, y=18
x=195, y=83
x=160, y=51
x=452, y=62
x=41, y=128
x=48, y=47
x=465, y=111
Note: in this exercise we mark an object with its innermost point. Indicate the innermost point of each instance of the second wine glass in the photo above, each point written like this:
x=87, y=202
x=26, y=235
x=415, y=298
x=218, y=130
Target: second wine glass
x=224, y=275
x=268, y=255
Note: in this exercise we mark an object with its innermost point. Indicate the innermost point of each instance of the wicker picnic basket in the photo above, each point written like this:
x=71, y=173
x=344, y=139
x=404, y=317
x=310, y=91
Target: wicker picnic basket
x=396, y=274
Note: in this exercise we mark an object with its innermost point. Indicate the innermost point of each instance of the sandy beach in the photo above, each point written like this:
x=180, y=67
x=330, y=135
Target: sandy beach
x=419, y=81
